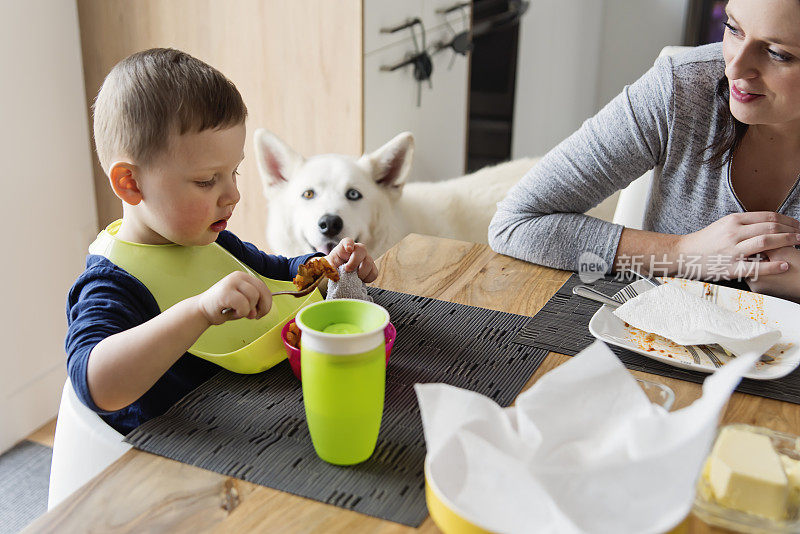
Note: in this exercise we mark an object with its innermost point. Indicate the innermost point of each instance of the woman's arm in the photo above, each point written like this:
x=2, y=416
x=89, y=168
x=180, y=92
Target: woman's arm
x=541, y=219
x=722, y=249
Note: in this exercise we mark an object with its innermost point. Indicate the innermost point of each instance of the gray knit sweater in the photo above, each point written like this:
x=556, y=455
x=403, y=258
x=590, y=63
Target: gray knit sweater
x=659, y=122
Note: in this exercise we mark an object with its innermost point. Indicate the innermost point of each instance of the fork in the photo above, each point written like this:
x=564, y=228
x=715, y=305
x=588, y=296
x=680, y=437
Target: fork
x=709, y=352
x=656, y=282
x=695, y=356
x=303, y=292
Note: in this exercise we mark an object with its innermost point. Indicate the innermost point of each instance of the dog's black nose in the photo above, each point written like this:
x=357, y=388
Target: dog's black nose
x=330, y=225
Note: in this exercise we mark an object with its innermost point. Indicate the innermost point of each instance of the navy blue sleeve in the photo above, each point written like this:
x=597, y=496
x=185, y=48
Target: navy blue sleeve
x=104, y=301
x=269, y=265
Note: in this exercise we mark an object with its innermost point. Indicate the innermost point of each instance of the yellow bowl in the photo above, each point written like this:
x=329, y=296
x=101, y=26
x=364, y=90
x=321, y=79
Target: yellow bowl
x=444, y=512
x=451, y=520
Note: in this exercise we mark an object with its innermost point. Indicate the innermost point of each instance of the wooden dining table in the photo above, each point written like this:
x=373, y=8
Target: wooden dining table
x=145, y=492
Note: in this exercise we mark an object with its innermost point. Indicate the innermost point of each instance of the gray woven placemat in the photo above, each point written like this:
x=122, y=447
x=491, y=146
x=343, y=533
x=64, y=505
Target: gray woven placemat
x=24, y=480
x=252, y=427
x=562, y=326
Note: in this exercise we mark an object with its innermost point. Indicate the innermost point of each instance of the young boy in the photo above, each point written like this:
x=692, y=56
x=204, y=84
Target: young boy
x=169, y=132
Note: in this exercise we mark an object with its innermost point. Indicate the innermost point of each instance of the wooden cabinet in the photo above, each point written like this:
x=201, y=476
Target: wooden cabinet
x=308, y=70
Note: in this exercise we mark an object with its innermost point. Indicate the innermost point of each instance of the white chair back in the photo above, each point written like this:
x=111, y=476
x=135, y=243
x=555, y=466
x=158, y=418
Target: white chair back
x=84, y=445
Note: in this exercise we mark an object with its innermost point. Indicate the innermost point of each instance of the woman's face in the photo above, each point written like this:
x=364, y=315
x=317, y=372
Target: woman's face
x=762, y=61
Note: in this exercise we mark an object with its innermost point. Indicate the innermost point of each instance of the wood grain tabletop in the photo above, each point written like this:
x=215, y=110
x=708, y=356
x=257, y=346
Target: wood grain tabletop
x=145, y=492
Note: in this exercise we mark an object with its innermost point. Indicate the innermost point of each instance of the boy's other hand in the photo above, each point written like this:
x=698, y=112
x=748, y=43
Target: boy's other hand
x=245, y=294
x=353, y=256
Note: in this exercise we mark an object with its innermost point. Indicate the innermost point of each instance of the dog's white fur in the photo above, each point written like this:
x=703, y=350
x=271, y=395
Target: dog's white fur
x=388, y=208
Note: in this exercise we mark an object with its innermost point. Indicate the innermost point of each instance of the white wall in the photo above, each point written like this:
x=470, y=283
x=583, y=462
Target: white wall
x=575, y=56
x=634, y=32
x=49, y=213
x=557, y=65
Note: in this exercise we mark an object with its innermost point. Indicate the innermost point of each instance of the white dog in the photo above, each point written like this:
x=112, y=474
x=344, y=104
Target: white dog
x=313, y=203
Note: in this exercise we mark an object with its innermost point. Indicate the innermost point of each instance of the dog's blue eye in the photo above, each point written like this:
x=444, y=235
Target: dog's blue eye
x=308, y=194
x=353, y=194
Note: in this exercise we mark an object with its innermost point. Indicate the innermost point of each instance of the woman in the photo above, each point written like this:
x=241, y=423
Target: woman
x=720, y=124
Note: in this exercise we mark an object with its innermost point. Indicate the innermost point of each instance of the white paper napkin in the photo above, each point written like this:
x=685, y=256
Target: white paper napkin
x=349, y=286
x=675, y=314
x=584, y=450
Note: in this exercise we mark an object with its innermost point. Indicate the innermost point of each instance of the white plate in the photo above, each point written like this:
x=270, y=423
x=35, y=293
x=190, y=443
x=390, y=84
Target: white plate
x=771, y=311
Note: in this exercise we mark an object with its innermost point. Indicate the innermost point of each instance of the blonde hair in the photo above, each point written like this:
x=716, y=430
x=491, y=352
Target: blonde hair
x=153, y=93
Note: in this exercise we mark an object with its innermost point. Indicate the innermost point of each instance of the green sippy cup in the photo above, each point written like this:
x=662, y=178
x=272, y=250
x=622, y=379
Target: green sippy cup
x=343, y=357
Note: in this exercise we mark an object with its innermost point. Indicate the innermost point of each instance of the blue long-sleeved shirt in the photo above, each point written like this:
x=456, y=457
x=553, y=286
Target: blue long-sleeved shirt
x=106, y=300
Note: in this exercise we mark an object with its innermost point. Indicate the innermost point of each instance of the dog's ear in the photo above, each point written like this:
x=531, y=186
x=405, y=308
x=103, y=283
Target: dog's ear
x=276, y=161
x=391, y=162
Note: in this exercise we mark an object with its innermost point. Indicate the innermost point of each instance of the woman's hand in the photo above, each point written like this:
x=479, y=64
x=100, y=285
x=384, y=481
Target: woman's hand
x=784, y=285
x=724, y=248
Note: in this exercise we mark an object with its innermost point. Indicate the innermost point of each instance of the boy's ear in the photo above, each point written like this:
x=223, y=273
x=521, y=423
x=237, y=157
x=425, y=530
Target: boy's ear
x=276, y=161
x=122, y=176
x=391, y=162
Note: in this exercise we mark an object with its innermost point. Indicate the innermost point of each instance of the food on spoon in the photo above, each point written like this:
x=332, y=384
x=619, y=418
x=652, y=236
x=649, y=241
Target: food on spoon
x=313, y=269
x=745, y=473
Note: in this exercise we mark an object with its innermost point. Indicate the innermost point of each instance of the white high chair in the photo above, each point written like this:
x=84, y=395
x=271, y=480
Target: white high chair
x=84, y=445
x=633, y=199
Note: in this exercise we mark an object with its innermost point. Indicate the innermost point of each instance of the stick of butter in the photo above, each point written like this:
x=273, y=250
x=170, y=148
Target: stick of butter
x=746, y=474
x=792, y=469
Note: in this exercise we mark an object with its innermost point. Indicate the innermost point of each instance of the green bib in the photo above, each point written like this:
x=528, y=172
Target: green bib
x=173, y=273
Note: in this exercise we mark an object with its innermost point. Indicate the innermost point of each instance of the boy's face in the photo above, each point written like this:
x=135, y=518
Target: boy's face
x=189, y=190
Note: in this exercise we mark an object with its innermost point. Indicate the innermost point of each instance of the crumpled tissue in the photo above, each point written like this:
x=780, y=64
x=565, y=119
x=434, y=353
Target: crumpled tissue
x=686, y=319
x=583, y=450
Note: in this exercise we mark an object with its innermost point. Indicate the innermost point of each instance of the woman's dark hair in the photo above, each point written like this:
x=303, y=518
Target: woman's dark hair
x=730, y=131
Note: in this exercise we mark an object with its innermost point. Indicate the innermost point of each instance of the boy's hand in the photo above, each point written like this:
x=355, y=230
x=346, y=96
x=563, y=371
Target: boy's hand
x=245, y=294
x=353, y=256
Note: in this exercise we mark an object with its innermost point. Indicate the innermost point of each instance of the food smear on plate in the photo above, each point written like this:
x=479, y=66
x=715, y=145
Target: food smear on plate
x=751, y=305
x=778, y=349
x=649, y=342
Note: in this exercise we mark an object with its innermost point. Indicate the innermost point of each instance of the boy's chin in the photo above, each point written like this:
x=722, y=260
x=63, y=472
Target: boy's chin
x=204, y=242
x=196, y=241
